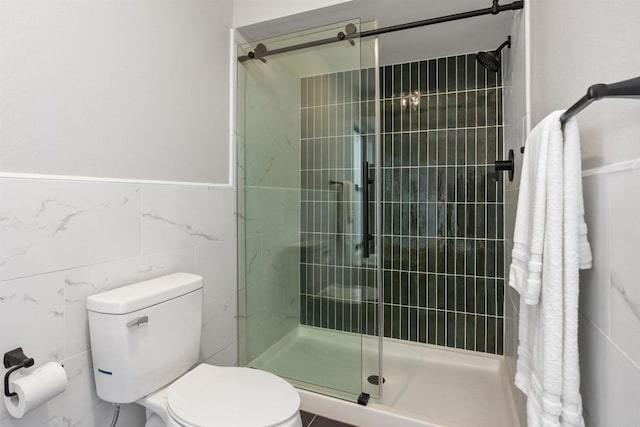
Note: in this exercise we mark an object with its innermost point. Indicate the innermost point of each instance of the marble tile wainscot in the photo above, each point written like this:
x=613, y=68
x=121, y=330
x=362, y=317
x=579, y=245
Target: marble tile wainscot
x=64, y=240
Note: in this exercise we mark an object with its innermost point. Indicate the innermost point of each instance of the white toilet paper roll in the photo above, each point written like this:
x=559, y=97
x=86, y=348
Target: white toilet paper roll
x=35, y=388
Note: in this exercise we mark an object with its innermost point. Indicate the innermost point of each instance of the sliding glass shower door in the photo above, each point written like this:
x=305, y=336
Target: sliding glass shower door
x=308, y=270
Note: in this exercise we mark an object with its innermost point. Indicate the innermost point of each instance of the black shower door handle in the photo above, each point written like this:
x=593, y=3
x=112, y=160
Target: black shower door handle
x=366, y=237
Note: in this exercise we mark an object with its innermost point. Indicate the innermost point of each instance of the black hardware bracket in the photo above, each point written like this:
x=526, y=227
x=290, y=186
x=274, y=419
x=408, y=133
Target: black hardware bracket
x=259, y=53
x=350, y=29
x=363, y=399
x=506, y=165
x=14, y=359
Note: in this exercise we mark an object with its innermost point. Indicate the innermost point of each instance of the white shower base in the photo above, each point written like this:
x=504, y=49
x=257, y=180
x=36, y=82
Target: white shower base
x=425, y=385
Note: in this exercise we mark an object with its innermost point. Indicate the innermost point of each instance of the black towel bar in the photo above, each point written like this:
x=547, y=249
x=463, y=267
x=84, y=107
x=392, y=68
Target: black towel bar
x=624, y=89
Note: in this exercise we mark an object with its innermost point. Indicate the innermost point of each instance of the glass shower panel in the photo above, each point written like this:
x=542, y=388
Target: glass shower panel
x=308, y=295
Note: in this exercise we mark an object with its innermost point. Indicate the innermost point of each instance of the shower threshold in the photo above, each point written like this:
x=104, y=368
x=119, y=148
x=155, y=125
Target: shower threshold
x=425, y=385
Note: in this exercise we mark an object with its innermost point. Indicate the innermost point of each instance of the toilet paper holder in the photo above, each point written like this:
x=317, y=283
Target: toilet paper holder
x=14, y=359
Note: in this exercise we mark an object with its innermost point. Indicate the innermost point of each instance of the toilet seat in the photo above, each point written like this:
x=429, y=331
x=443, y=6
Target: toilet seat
x=240, y=397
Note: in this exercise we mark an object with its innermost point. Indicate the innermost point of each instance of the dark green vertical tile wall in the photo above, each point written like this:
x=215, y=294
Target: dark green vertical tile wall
x=442, y=233
x=337, y=128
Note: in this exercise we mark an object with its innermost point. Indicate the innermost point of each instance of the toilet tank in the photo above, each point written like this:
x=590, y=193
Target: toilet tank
x=145, y=335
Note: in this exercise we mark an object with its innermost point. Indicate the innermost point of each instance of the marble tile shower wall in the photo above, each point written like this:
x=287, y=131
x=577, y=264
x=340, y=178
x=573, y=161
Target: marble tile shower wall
x=442, y=252
x=62, y=241
x=269, y=206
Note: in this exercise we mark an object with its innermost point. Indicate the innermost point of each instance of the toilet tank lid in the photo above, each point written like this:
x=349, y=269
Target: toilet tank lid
x=144, y=294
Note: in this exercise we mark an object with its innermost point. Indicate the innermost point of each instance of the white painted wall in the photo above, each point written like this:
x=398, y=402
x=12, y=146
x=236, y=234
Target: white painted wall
x=110, y=89
x=575, y=44
x=247, y=12
x=115, y=88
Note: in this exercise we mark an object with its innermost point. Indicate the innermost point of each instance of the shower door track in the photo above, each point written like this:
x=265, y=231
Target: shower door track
x=261, y=51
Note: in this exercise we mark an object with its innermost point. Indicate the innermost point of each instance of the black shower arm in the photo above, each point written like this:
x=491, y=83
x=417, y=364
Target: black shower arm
x=505, y=44
x=625, y=89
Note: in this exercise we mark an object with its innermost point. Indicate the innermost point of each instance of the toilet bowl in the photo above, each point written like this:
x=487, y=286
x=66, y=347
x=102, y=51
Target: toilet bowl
x=219, y=396
x=145, y=340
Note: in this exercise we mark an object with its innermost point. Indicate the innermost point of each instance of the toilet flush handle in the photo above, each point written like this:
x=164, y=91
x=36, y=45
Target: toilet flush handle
x=137, y=322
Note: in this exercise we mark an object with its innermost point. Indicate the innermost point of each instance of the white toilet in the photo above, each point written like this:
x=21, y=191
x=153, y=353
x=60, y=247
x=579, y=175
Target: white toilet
x=145, y=340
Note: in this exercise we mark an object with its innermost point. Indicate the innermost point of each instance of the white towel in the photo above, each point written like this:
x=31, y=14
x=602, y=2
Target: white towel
x=528, y=236
x=549, y=246
x=577, y=255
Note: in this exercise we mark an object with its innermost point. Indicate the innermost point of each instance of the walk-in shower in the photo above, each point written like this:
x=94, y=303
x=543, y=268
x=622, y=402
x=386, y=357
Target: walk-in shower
x=371, y=226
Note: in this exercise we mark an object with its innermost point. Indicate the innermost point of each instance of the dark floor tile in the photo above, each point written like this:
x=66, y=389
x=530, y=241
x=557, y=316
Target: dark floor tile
x=326, y=422
x=306, y=418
